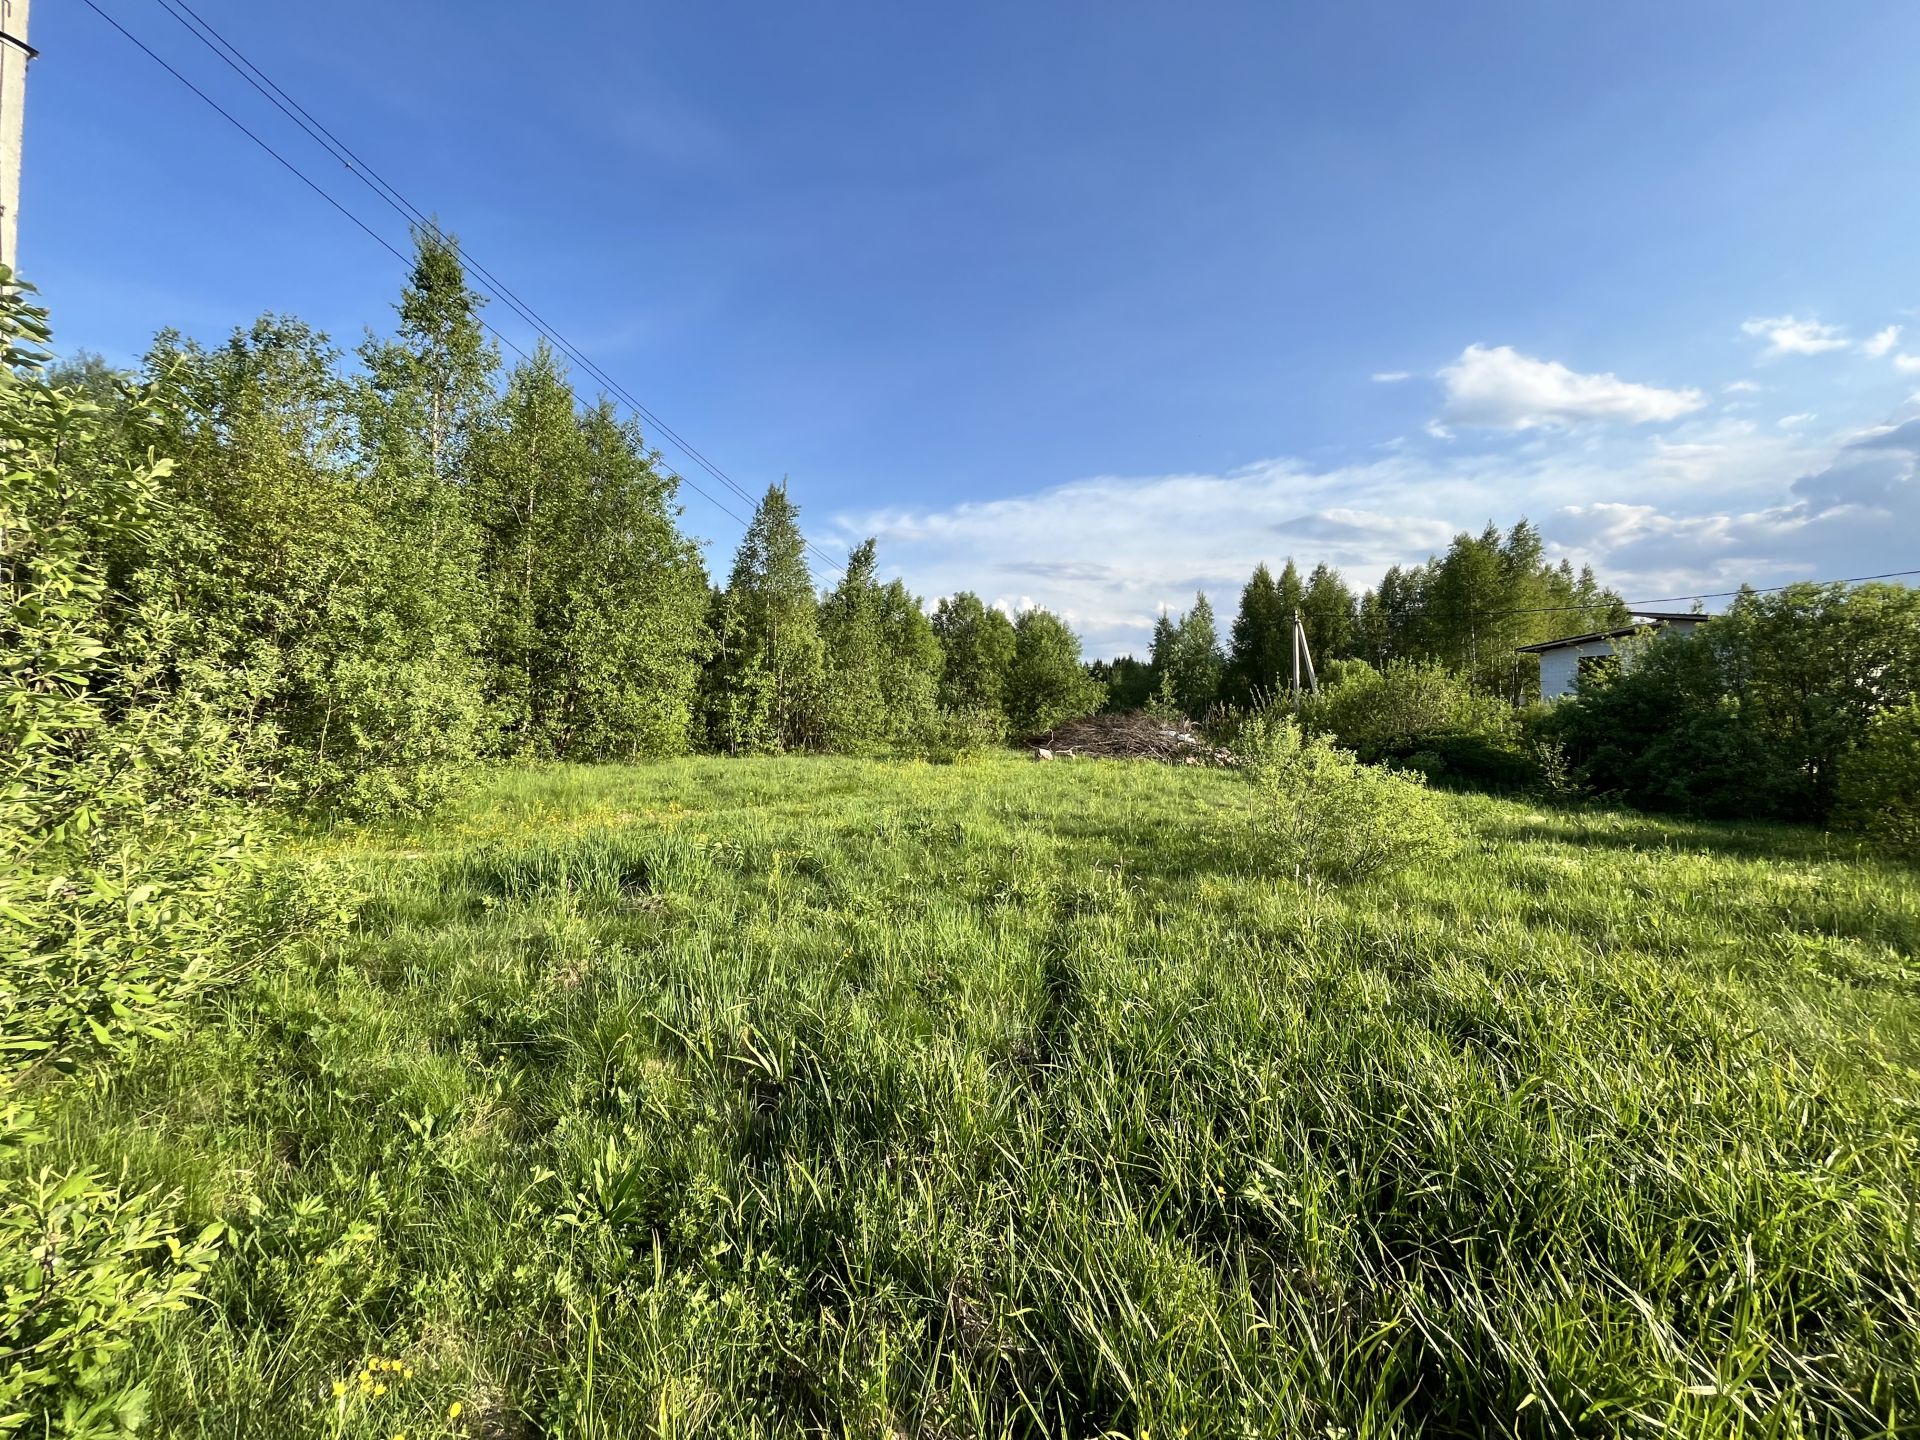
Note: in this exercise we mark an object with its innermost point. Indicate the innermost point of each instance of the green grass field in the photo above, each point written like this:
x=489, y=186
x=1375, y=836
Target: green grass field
x=820, y=1096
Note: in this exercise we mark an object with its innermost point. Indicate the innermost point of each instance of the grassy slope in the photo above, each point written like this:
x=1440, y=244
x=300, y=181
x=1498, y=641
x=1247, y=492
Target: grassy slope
x=1014, y=1098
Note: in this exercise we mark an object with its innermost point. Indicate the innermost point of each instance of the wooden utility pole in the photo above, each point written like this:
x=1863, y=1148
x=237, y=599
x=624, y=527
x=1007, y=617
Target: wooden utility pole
x=14, y=55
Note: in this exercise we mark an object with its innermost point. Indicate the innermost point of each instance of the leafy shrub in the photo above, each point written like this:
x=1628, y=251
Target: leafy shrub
x=1757, y=713
x=1555, y=779
x=105, y=953
x=1046, y=684
x=1665, y=733
x=1809, y=668
x=116, y=894
x=1423, y=715
x=1879, y=786
x=1326, y=813
x=122, y=890
x=82, y=1267
x=951, y=736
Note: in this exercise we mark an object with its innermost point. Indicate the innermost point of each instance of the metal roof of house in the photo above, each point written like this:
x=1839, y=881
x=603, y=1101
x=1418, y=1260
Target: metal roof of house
x=1641, y=620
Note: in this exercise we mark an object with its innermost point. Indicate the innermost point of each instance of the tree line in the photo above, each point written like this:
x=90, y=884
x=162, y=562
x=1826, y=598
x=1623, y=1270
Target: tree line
x=381, y=566
x=1468, y=610
x=353, y=574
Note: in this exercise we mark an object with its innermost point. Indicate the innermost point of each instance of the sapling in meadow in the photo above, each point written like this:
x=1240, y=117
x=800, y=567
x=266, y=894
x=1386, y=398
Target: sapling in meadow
x=1322, y=812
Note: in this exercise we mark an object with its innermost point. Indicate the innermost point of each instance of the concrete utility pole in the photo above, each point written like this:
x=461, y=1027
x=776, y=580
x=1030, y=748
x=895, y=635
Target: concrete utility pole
x=1300, y=653
x=14, y=55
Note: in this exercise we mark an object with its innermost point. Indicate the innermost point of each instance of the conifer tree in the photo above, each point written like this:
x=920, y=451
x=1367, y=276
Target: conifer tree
x=1262, y=640
x=1194, y=667
x=1382, y=623
x=1160, y=652
x=1129, y=682
x=1290, y=594
x=764, y=689
x=1326, y=610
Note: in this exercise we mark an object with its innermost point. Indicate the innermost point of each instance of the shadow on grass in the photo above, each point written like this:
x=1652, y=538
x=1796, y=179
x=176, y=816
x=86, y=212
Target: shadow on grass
x=1615, y=830
x=1177, y=853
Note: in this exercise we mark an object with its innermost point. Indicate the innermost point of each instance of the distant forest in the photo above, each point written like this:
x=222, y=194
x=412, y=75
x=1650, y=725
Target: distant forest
x=1468, y=610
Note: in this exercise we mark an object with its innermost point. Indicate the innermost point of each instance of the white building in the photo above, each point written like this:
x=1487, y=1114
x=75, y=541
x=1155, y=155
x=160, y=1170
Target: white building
x=1563, y=662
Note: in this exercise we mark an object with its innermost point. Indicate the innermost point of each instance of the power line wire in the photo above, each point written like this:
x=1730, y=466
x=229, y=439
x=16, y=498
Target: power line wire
x=404, y=207
x=298, y=174
x=210, y=36
x=317, y=189
x=1768, y=589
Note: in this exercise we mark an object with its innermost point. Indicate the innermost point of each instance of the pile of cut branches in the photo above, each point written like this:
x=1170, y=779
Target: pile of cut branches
x=1136, y=735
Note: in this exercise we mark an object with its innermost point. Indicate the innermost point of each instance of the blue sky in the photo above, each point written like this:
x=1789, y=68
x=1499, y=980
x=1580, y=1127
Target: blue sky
x=1088, y=304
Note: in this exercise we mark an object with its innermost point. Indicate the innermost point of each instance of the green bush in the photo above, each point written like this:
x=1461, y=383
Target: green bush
x=1756, y=714
x=103, y=954
x=1666, y=733
x=83, y=1266
x=117, y=895
x=1321, y=811
x=951, y=736
x=1422, y=715
x=1046, y=684
x=122, y=891
x=1879, y=786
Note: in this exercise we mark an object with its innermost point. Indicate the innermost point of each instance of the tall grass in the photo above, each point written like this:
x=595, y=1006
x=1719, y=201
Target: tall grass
x=812, y=1096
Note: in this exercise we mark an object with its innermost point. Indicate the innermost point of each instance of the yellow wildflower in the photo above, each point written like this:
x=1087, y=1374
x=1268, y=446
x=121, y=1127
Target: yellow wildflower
x=453, y=1410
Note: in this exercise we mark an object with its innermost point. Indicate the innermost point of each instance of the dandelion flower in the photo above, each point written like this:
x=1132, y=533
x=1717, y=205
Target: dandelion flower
x=453, y=1410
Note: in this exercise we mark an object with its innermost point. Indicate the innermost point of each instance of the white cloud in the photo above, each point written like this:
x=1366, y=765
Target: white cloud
x=1789, y=335
x=1882, y=342
x=1500, y=388
x=1706, y=502
x=1109, y=552
x=1848, y=515
x=1705, y=505
x=1391, y=377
